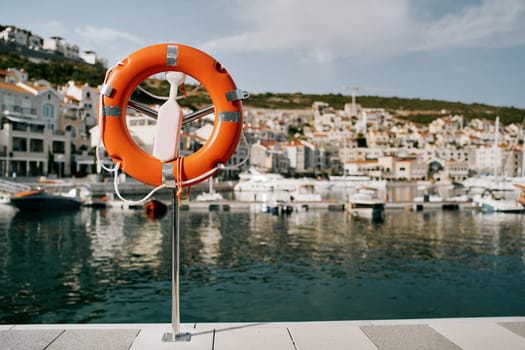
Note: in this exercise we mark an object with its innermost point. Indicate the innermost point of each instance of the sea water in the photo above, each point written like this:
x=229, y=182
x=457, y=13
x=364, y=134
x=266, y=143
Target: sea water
x=114, y=265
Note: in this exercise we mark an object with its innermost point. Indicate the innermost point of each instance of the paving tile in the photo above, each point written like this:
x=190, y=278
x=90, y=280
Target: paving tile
x=95, y=339
x=516, y=327
x=28, y=339
x=408, y=337
x=253, y=337
x=479, y=335
x=330, y=337
x=415, y=321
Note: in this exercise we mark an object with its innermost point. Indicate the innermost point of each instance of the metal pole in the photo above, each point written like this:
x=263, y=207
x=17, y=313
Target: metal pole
x=188, y=118
x=176, y=335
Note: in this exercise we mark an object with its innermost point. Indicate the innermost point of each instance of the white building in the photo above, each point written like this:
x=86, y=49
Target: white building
x=54, y=44
x=91, y=57
x=14, y=35
x=30, y=142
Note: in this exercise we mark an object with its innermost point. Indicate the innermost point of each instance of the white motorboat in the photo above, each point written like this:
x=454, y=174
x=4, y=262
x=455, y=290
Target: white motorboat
x=351, y=182
x=367, y=202
x=478, y=184
x=255, y=181
x=211, y=195
x=497, y=201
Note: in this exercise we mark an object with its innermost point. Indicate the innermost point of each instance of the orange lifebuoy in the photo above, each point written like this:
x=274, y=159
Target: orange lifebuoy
x=124, y=78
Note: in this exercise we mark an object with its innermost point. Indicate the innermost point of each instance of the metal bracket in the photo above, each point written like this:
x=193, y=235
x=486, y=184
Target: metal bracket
x=235, y=95
x=169, y=338
x=230, y=117
x=171, y=55
x=167, y=175
x=112, y=111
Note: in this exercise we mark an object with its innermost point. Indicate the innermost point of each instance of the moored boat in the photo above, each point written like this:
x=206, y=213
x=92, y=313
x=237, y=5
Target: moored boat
x=211, y=195
x=491, y=201
x=367, y=202
x=42, y=200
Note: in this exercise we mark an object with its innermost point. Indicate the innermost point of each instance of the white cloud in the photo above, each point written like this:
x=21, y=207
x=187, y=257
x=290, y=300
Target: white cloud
x=110, y=42
x=322, y=31
x=107, y=36
x=491, y=24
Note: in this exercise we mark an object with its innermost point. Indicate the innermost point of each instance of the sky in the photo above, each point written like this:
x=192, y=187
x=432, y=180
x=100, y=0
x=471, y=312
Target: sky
x=454, y=50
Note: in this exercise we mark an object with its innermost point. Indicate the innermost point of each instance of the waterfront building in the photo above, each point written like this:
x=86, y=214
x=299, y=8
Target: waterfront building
x=86, y=97
x=31, y=142
x=409, y=168
x=269, y=156
x=301, y=155
x=370, y=168
x=78, y=115
x=457, y=170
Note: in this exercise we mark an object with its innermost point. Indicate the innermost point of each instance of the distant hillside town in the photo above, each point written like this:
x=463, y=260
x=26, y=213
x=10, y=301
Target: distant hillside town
x=47, y=131
x=21, y=41
x=50, y=130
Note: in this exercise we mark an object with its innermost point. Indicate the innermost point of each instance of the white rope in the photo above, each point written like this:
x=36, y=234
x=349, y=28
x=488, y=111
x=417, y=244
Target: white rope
x=140, y=201
x=203, y=176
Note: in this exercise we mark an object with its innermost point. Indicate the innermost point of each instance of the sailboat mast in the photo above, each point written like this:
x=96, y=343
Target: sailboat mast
x=495, y=154
x=523, y=152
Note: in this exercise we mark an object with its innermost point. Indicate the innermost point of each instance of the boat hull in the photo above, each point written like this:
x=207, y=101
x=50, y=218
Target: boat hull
x=45, y=201
x=374, y=211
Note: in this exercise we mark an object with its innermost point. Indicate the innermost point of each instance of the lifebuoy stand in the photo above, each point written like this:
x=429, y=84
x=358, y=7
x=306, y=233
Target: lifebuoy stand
x=116, y=91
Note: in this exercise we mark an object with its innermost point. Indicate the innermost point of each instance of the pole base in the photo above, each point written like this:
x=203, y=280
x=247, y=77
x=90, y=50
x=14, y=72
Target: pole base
x=169, y=338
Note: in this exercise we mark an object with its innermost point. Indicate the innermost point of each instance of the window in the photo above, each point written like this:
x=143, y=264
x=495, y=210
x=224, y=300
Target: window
x=48, y=110
x=18, y=126
x=36, y=145
x=9, y=99
x=58, y=147
x=19, y=144
x=26, y=105
x=37, y=128
x=72, y=130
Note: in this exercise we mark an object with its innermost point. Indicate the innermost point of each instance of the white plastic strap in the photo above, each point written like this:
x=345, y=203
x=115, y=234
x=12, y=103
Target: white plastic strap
x=106, y=90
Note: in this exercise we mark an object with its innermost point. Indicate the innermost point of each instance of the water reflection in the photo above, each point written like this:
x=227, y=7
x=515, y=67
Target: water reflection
x=114, y=266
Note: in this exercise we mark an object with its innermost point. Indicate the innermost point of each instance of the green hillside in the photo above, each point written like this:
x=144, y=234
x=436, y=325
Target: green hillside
x=419, y=110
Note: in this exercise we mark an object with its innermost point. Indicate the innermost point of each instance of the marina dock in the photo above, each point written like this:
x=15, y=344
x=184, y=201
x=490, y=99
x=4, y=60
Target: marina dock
x=454, y=334
x=321, y=205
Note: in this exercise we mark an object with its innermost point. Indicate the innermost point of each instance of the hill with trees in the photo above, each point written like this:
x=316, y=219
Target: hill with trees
x=414, y=109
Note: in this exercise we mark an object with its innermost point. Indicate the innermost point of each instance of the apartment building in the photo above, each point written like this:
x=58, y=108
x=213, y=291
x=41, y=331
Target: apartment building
x=31, y=142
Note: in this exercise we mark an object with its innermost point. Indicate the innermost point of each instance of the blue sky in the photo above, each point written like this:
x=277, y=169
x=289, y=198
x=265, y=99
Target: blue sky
x=455, y=50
